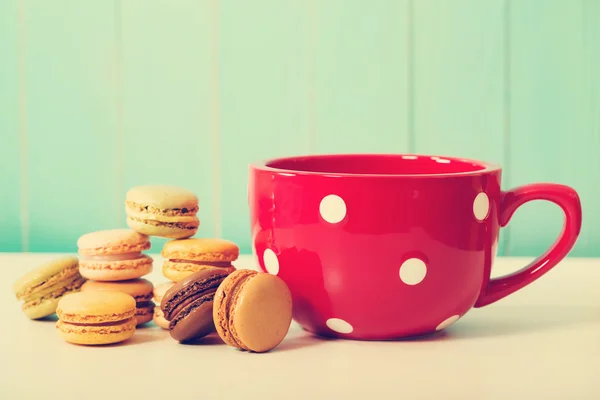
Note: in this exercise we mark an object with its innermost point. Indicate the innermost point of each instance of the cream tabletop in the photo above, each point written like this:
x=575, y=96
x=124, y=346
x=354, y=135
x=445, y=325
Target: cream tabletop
x=541, y=343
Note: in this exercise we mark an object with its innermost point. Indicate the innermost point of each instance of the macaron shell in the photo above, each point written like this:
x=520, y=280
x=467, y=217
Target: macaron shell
x=197, y=323
x=45, y=275
x=116, y=270
x=262, y=313
x=162, y=196
x=96, y=335
x=164, y=229
x=201, y=249
x=42, y=309
x=177, y=272
x=112, y=241
x=159, y=318
x=95, y=307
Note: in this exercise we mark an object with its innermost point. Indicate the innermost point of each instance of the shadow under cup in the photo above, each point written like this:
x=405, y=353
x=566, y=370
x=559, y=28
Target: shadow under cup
x=389, y=246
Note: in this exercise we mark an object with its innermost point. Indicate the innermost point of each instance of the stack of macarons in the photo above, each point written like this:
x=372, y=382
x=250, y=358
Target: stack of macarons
x=171, y=212
x=102, y=296
x=113, y=260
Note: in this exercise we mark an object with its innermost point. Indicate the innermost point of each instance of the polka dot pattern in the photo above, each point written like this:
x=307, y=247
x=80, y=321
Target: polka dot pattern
x=481, y=206
x=447, y=322
x=339, y=325
x=413, y=271
x=332, y=209
x=271, y=262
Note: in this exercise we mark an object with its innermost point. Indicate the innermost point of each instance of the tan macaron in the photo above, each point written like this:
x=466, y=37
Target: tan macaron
x=187, y=256
x=252, y=310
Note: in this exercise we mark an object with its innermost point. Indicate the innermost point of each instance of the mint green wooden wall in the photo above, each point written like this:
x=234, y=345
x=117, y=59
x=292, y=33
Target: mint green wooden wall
x=97, y=96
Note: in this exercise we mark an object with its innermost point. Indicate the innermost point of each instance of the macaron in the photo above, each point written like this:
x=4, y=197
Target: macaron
x=42, y=288
x=164, y=211
x=252, y=310
x=188, y=305
x=96, y=317
x=140, y=289
x=159, y=292
x=187, y=256
x=114, y=255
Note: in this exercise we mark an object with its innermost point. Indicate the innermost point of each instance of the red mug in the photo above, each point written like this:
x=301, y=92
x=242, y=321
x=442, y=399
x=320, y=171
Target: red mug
x=382, y=246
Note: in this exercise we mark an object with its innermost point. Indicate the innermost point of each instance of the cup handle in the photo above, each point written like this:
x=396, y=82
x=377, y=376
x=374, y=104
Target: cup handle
x=567, y=199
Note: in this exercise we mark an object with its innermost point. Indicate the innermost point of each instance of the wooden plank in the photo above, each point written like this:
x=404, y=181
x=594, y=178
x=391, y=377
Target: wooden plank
x=10, y=129
x=69, y=71
x=459, y=80
x=169, y=109
x=265, y=94
x=555, y=118
x=362, y=68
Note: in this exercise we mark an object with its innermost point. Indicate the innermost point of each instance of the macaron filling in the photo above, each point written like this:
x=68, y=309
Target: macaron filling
x=112, y=257
x=109, y=323
x=177, y=225
x=219, y=264
x=178, y=301
x=171, y=212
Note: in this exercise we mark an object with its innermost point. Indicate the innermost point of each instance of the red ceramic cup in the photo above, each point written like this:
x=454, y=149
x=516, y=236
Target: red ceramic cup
x=390, y=246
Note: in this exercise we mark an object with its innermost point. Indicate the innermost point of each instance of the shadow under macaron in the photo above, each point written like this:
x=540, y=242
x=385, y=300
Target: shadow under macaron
x=49, y=318
x=209, y=340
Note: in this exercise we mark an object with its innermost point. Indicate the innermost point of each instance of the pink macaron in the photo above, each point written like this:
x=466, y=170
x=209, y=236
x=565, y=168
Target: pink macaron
x=114, y=255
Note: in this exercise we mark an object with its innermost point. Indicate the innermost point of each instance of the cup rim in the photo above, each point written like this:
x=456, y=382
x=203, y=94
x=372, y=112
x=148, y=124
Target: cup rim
x=264, y=165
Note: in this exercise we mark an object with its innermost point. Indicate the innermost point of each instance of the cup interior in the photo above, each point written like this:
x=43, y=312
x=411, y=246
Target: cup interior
x=378, y=164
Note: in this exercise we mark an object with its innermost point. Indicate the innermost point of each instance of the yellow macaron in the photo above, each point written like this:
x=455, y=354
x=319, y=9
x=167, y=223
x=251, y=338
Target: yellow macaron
x=96, y=317
x=188, y=256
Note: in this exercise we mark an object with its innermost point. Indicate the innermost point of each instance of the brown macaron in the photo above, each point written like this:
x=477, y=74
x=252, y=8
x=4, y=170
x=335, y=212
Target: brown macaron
x=188, y=305
x=140, y=289
x=252, y=310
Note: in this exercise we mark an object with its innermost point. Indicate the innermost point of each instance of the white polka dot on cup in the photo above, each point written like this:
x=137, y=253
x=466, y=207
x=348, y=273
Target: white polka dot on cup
x=447, y=322
x=413, y=271
x=339, y=325
x=332, y=209
x=481, y=206
x=271, y=262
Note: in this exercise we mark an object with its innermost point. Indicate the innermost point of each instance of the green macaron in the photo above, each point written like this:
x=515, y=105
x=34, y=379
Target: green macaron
x=42, y=288
x=163, y=211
